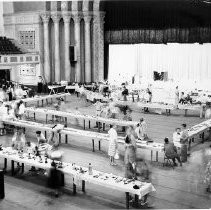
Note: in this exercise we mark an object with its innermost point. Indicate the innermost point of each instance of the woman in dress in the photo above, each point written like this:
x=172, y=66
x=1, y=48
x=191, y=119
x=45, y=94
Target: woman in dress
x=130, y=147
x=112, y=148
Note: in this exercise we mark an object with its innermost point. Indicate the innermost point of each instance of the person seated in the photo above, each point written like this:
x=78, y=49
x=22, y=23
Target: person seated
x=182, y=98
x=171, y=151
x=177, y=135
x=40, y=136
x=188, y=99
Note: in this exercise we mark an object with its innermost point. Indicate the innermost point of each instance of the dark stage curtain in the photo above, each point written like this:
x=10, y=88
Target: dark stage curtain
x=160, y=21
x=178, y=35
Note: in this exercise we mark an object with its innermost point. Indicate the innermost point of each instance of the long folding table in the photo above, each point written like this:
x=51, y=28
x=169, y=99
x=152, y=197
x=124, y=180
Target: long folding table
x=79, y=174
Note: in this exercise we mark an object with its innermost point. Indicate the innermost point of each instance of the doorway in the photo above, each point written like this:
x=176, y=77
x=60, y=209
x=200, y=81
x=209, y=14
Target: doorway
x=4, y=74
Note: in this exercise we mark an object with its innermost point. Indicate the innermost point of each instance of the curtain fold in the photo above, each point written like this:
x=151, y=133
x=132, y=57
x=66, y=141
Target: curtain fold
x=156, y=36
x=183, y=62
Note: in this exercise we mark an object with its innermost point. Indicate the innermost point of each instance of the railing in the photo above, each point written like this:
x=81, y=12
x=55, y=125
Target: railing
x=15, y=59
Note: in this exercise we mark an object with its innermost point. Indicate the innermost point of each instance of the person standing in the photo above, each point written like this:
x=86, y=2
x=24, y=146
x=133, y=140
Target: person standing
x=176, y=97
x=21, y=111
x=141, y=129
x=125, y=93
x=40, y=84
x=177, y=135
x=130, y=152
x=185, y=143
x=112, y=148
x=3, y=111
x=98, y=106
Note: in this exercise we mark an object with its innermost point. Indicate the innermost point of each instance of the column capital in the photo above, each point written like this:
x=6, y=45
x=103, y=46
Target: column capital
x=87, y=18
x=56, y=18
x=66, y=18
x=77, y=18
x=99, y=18
x=45, y=17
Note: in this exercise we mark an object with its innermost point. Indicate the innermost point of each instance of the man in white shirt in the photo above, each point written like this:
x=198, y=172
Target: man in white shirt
x=177, y=135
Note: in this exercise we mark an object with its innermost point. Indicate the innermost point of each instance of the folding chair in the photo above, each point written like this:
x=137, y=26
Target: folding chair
x=168, y=161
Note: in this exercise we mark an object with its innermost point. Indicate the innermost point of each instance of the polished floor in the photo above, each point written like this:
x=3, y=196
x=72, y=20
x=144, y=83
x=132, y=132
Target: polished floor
x=178, y=188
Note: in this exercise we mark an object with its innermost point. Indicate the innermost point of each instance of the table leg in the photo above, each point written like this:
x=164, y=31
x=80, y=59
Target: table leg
x=74, y=189
x=83, y=186
x=37, y=103
x=136, y=200
x=60, y=138
x=13, y=167
x=62, y=179
x=51, y=100
x=53, y=118
x=202, y=137
x=42, y=102
x=127, y=200
x=98, y=125
x=34, y=116
x=103, y=126
x=151, y=154
x=89, y=124
x=99, y=145
x=22, y=168
x=46, y=101
x=5, y=164
x=46, y=118
x=84, y=125
x=157, y=156
x=186, y=111
x=65, y=121
x=66, y=139
x=93, y=145
x=45, y=134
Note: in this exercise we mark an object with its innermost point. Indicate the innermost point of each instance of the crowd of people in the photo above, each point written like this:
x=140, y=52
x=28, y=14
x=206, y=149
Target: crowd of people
x=12, y=91
x=15, y=110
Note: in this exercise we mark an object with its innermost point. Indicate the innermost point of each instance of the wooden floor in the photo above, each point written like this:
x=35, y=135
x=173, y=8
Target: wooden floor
x=177, y=188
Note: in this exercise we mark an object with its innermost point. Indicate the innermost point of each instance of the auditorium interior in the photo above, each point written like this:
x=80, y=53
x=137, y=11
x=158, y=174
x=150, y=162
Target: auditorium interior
x=105, y=104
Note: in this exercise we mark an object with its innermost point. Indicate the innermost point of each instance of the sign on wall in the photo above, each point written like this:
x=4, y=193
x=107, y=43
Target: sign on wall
x=28, y=73
x=27, y=70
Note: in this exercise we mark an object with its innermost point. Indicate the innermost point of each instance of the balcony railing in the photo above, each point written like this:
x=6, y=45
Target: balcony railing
x=19, y=59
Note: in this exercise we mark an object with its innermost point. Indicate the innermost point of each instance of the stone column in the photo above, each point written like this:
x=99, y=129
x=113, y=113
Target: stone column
x=77, y=20
x=47, y=72
x=101, y=47
x=56, y=19
x=88, y=73
x=98, y=42
x=66, y=19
